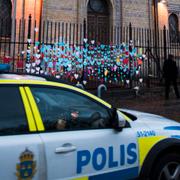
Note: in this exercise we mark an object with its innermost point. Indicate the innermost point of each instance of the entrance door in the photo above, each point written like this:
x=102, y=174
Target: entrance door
x=98, y=21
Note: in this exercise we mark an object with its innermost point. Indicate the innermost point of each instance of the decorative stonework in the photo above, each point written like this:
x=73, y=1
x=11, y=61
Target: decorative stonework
x=173, y=8
x=138, y=12
x=118, y=12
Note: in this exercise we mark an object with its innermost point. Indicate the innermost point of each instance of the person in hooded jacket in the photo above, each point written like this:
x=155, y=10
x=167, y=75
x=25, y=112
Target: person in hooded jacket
x=170, y=74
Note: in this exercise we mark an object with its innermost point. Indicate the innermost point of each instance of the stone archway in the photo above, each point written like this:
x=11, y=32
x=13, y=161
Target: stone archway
x=5, y=18
x=98, y=19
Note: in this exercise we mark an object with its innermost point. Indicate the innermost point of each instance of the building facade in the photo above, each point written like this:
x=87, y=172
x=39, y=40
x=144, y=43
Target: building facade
x=138, y=12
x=101, y=14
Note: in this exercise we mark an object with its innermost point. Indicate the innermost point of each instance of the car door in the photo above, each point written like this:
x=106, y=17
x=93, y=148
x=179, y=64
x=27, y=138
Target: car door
x=20, y=148
x=78, y=139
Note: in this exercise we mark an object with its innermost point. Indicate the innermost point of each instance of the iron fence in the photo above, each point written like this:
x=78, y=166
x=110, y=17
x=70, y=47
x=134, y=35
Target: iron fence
x=137, y=48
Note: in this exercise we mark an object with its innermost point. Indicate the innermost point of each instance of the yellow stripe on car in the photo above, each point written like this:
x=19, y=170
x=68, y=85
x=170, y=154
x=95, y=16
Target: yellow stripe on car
x=82, y=178
x=35, y=110
x=30, y=118
x=50, y=83
x=145, y=145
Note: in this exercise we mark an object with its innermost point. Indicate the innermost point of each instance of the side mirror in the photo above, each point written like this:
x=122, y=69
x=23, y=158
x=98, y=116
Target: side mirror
x=121, y=120
x=118, y=120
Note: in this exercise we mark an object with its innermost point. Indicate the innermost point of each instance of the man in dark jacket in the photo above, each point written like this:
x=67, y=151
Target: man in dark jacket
x=170, y=72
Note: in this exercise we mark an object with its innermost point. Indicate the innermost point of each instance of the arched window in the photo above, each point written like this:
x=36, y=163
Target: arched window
x=98, y=20
x=173, y=28
x=5, y=18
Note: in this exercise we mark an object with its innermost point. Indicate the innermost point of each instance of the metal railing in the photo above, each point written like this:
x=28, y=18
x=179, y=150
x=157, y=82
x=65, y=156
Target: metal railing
x=27, y=38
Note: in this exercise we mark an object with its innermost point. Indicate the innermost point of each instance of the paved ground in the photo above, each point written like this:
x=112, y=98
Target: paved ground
x=151, y=101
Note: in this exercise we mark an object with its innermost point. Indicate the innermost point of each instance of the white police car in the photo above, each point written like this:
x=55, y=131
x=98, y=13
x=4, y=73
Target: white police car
x=51, y=130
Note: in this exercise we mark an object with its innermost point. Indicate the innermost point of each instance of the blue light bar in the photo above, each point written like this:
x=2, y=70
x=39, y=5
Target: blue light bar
x=4, y=67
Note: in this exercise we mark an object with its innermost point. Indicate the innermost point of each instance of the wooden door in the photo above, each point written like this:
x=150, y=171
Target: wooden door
x=98, y=21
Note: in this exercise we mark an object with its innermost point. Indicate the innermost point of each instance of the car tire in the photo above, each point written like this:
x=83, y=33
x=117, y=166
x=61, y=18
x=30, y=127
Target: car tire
x=167, y=168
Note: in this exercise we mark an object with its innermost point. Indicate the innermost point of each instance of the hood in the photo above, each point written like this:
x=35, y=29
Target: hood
x=150, y=120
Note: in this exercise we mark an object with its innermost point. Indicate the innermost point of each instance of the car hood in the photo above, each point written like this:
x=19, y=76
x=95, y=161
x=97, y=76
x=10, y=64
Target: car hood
x=150, y=120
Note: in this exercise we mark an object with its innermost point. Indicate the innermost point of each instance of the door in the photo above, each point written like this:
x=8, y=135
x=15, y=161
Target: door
x=98, y=21
x=79, y=141
x=20, y=148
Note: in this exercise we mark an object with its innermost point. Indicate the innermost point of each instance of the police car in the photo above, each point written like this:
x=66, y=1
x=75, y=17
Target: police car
x=52, y=130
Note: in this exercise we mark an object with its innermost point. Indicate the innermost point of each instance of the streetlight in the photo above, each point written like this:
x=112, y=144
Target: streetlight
x=40, y=21
x=163, y=1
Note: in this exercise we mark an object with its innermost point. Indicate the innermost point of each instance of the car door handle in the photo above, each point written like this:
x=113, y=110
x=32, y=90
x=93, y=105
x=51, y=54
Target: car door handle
x=65, y=149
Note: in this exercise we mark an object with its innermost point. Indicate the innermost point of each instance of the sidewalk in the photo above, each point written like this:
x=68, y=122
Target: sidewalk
x=151, y=101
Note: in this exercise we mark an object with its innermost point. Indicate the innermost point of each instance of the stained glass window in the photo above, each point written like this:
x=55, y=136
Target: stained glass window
x=98, y=6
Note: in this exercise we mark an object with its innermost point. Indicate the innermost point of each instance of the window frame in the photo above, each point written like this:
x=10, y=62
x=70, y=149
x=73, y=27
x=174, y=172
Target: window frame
x=171, y=32
x=109, y=110
x=104, y=9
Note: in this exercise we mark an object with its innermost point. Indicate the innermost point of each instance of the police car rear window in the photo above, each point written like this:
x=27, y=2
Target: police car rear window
x=12, y=114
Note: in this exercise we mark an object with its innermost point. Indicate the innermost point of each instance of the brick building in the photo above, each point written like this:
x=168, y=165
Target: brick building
x=138, y=12
x=99, y=13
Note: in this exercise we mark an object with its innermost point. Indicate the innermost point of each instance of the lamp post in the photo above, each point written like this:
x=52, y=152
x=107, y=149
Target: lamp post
x=40, y=21
x=23, y=9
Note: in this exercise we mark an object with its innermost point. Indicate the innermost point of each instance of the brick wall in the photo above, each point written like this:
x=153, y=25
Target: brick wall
x=138, y=12
x=64, y=10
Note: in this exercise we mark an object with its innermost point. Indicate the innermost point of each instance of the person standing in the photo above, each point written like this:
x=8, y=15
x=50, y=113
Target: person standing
x=170, y=73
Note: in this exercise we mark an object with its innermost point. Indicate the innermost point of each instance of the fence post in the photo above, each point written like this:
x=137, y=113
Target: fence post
x=148, y=51
x=84, y=36
x=165, y=43
x=130, y=50
x=29, y=26
x=29, y=40
x=40, y=22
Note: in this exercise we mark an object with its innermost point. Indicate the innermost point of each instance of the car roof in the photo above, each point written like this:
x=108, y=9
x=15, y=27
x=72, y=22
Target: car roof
x=20, y=77
x=29, y=76
x=36, y=80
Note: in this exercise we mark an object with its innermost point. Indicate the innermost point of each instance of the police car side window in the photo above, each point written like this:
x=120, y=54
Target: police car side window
x=66, y=110
x=12, y=113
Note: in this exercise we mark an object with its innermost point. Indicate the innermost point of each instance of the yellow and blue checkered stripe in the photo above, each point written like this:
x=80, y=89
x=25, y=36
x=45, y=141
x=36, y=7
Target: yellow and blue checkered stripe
x=145, y=146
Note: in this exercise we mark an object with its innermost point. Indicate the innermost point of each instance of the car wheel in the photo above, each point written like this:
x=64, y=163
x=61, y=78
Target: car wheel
x=167, y=168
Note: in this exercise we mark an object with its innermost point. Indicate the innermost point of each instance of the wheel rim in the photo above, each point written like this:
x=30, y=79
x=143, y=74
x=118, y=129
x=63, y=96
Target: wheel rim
x=171, y=171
